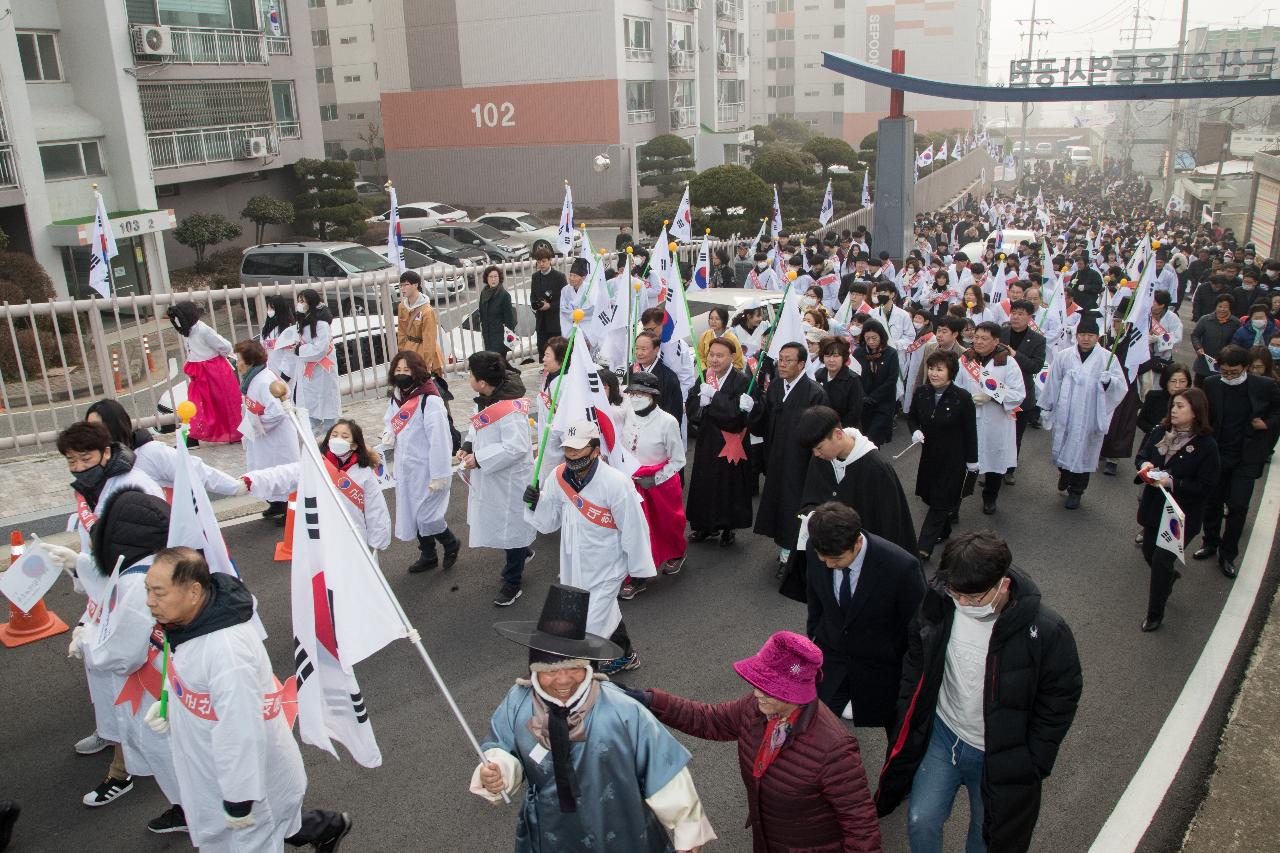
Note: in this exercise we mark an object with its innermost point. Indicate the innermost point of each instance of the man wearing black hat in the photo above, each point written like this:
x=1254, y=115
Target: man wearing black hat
x=573, y=295
x=603, y=773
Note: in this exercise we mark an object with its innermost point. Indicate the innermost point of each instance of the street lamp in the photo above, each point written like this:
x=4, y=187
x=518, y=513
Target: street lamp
x=601, y=164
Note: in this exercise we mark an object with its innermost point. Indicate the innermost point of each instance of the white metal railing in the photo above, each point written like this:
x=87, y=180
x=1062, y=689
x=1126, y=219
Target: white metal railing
x=209, y=144
x=681, y=5
x=8, y=167
x=728, y=61
x=639, y=54
x=207, y=46
x=680, y=60
x=289, y=130
x=641, y=116
x=728, y=115
x=684, y=116
x=279, y=45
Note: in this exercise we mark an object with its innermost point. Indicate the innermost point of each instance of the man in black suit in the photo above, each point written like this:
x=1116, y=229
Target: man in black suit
x=1028, y=347
x=1245, y=411
x=1086, y=283
x=670, y=400
x=863, y=592
x=544, y=296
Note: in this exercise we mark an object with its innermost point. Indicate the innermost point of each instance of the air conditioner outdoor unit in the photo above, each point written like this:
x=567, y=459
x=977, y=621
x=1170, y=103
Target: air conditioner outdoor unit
x=255, y=147
x=152, y=41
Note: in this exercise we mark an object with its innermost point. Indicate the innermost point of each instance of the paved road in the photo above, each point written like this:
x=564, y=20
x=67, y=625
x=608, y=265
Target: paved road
x=688, y=630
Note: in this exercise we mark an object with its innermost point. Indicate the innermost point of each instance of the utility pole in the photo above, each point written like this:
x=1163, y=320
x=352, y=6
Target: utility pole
x=1222, y=156
x=1031, y=35
x=1134, y=32
x=1174, y=117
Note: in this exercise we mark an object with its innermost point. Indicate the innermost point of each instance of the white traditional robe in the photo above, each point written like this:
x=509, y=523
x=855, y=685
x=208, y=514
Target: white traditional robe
x=997, y=423
x=504, y=456
x=751, y=341
x=239, y=755
x=373, y=519
x=653, y=439
x=899, y=326
x=268, y=437
x=571, y=299
x=1080, y=410
x=159, y=461
x=125, y=651
x=911, y=361
x=594, y=556
x=279, y=346
x=423, y=452
x=318, y=392
x=1163, y=344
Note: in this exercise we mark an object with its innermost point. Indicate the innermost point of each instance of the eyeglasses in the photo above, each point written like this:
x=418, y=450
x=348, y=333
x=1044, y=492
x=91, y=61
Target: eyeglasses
x=975, y=599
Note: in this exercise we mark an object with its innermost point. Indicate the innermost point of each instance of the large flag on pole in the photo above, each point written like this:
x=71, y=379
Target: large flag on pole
x=682, y=225
x=1206, y=214
x=775, y=217
x=828, y=206
x=942, y=152
x=866, y=189
x=755, y=244
x=564, y=237
x=395, y=240
x=926, y=156
x=340, y=614
x=583, y=397
x=701, y=279
x=103, y=248
x=1139, y=318
x=790, y=328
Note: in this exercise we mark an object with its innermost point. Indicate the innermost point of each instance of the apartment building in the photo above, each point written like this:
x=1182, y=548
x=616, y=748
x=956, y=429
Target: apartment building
x=945, y=40
x=488, y=103
x=169, y=106
x=346, y=53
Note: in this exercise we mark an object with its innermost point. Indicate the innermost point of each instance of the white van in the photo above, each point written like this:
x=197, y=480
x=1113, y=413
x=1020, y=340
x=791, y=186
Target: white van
x=1078, y=155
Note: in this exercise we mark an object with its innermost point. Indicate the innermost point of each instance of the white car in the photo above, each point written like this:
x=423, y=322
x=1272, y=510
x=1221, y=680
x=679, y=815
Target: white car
x=439, y=281
x=416, y=215
x=526, y=226
x=733, y=299
x=1009, y=240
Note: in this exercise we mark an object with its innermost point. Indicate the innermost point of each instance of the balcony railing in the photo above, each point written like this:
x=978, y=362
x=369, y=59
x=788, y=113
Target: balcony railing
x=279, y=45
x=682, y=5
x=680, y=60
x=728, y=11
x=213, y=144
x=205, y=46
x=641, y=116
x=639, y=54
x=8, y=167
x=728, y=61
x=728, y=116
x=289, y=129
x=683, y=117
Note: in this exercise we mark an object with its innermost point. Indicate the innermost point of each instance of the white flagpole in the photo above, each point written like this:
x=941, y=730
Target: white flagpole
x=281, y=392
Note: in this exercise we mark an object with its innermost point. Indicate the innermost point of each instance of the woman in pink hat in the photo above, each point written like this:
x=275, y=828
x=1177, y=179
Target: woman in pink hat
x=806, y=789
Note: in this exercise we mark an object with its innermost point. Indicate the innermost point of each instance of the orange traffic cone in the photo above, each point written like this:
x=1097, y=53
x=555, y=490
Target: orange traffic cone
x=284, y=548
x=22, y=627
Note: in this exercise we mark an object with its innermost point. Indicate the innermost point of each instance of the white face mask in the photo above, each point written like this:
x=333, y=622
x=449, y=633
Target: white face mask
x=1258, y=324
x=300, y=307
x=271, y=312
x=855, y=330
x=1239, y=380
x=762, y=265
x=639, y=402
x=810, y=301
x=339, y=446
x=919, y=324
x=982, y=612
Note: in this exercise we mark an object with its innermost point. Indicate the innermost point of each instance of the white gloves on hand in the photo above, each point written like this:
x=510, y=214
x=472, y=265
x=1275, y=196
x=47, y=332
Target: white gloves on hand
x=917, y=437
x=437, y=485
x=154, y=721
x=388, y=439
x=234, y=823
x=242, y=488
x=971, y=467
x=746, y=403
x=705, y=392
x=980, y=399
x=73, y=648
x=63, y=558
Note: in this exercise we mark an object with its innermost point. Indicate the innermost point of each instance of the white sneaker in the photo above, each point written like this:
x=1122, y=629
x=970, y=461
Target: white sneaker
x=91, y=745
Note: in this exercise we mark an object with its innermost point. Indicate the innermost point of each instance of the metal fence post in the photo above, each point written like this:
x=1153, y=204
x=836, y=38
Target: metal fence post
x=100, y=353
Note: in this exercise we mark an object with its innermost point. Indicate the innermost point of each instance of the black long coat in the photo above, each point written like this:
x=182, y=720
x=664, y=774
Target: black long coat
x=844, y=394
x=950, y=440
x=865, y=642
x=544, y=288
x=879, y=378
x=871, y=487
x=1194, y=469
x=1030, y=357
x=719, y=492
x=785, y=460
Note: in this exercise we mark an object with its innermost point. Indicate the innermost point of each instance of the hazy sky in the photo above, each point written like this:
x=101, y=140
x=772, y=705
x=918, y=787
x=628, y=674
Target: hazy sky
x=1084, y=26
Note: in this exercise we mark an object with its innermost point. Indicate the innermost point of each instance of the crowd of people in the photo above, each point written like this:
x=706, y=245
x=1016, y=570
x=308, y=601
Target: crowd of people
x=693, y=440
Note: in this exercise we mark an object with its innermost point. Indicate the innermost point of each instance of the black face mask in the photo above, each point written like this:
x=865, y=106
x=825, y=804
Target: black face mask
x=579, y=465
x=90, y=480
x=404, y=381
x=884, y=299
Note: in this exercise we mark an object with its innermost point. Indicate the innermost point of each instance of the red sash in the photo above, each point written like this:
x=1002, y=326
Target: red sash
x=254, y=406
x=827, y=280
x=499, y=410
x=973, y=368
x=400, y=419
x=145, y=680
x=1157, y=329
x=919, y=342
x=982, y=280
x=283, y=700
x=86, y=515
x=326, y=363
x=346, y=485
x=593, y=513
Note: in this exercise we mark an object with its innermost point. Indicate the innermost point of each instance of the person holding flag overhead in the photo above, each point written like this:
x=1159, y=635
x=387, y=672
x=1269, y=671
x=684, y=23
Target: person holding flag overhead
x=1086, y=383
x=225, y=716
x=604, y=537
x=1178, y=466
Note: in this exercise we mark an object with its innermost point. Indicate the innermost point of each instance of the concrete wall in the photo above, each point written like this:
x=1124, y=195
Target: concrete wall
x=227, y=197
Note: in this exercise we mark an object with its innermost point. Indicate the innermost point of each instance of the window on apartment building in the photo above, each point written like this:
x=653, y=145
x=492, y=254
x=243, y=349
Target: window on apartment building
x=637, y=37
x=780, y=6
x=324, y=74
x=284, y=102
x=781, y=63
x=839, y=4
x=780, y=91
x=62, y=160
x=331, y=148
x=215, y=14
x=328, y=112
x=39, y=55
x=351, y=78
x=812, y=36
x=731, y=91
x=786, y=34
x=207, y=103
x=343, y=2
x=837, y=89
x=319, y=38
x=348, y=39
x=316, y=4
x=355, y=116
x=839, y=33
x=639, y=95
x=679, y=35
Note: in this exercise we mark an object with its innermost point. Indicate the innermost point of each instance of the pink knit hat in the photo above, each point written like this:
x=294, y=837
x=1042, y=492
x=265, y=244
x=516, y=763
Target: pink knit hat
x=787, y=668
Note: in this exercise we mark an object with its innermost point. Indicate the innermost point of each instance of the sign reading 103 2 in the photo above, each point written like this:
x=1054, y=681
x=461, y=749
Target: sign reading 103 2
x=495, y=115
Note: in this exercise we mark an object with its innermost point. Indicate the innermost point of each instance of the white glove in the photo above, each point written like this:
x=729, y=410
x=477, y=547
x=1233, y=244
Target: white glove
x=388, y=439
x=917, y=437
x=154, y=721
x=73, y=648
x=63, y=558
x=705, y=392
x=234, y=823
x=1151, y=339
x=437, y=485
x=971, y=467
x=1106, y=381
x=746, y=403
x=77, y=585
x=980, y=399
x=242, y=488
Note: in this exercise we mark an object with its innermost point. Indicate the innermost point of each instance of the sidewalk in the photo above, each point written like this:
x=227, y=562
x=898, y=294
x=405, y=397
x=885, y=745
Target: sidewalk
x=1241, y=812
x=38, y=486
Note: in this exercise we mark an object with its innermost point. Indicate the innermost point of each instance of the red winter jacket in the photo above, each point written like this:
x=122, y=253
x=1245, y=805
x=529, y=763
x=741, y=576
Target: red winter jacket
x=813, y=798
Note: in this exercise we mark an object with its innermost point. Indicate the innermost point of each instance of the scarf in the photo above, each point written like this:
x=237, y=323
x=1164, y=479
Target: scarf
x=247, y=379
x=556, y=726
x=1172, y=441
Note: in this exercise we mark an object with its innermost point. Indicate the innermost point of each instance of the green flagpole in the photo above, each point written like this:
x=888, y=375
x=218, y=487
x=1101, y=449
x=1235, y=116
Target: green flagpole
x=555, y=401
x=764, y=347
x=164, y=682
